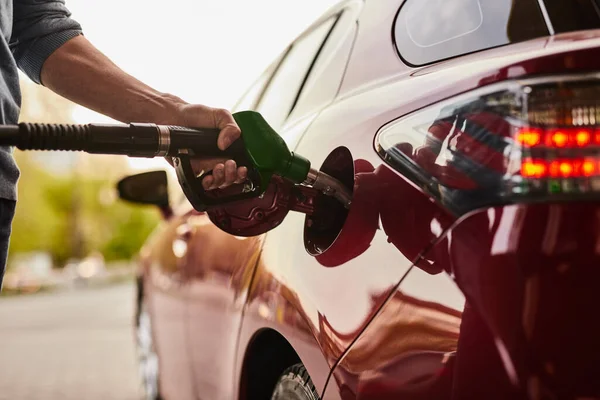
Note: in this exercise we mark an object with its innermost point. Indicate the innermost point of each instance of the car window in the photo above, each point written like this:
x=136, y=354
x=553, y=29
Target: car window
x=250, y=98
x=281, y=94
x=253, y=94
x=325, y=78
x=427, y=31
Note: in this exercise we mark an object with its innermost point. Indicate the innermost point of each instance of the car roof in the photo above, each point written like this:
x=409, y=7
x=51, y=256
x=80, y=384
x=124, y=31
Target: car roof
x=333, y=10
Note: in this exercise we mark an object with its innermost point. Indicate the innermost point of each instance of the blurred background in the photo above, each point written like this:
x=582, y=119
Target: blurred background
x=69, y=225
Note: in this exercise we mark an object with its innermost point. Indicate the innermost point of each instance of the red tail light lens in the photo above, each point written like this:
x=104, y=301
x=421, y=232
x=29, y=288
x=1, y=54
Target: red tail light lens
x=557, y=137
x=564, y=168
x=522, y=140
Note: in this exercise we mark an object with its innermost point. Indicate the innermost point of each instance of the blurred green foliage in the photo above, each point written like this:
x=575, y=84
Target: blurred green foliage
x=66, y=215
x=76, y=212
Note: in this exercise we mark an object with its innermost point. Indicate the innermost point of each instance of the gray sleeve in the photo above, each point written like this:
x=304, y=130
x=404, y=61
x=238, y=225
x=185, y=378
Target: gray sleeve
x=39, y=28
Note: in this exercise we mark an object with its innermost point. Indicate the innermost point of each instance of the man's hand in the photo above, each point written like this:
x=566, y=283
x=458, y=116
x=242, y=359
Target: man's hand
x=82, y=74
x=225, y=172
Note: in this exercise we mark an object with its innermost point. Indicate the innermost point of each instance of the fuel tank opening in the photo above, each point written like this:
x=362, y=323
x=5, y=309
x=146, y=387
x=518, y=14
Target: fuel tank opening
x=323, y=227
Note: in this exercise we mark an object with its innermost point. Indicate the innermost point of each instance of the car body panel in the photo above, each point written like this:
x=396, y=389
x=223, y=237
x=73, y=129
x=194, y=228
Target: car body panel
x=530, y=272
x=536, y=305
x=219, y=269
x=197, y=274
x=382, y=323
x=405, y=351
x=166, y=297
x=373, y=108
x=374, y=56
x=272, y=306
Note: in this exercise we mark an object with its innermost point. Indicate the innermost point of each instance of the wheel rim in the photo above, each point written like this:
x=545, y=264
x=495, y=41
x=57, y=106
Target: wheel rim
x=295, y=384
x=147, y=357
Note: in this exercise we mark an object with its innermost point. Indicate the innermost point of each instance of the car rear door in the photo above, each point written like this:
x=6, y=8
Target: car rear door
x=222, y=266
x=334, y=300
x=315, y=65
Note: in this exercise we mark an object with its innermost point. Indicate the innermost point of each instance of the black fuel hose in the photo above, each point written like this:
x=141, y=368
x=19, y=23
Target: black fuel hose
x=134, y=140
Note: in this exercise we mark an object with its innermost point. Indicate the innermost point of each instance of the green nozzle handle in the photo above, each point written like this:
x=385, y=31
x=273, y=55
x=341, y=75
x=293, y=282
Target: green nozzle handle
x=267, y=151
x=267, y=154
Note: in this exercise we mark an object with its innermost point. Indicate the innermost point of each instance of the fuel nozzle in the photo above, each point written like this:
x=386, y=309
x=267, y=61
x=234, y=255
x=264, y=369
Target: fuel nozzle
x=329, y=186
x=260, y=149
x=271, y=156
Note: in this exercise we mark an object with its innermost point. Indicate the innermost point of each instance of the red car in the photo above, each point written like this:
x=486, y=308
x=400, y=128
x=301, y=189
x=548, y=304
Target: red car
x=468, y=264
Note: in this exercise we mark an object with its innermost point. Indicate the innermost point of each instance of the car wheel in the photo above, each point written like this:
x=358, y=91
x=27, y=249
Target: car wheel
x=295, y=384
x=147, y=357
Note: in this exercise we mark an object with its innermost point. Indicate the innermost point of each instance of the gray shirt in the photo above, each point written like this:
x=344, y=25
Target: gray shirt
x=30, y=30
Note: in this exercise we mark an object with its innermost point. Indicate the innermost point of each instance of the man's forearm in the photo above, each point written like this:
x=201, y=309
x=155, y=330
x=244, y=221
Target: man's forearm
x=81, y=73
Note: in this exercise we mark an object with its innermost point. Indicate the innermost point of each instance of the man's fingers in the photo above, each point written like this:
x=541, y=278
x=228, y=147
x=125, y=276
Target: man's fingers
x=218, y=175
x=230, y=172
x=199, y=116
x=224, y=174
x=228, y=135
x=242, y=174
x=207, y=182
x=236, y=176
x=200, y=165
x=230, y=132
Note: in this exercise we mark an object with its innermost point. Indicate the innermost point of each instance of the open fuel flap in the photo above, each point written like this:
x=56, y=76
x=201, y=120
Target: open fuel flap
x=334, y=233
x=381, y=200
x=325, y=199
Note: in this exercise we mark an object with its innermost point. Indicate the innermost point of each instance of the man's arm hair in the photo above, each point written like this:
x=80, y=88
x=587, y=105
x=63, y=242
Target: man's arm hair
x=79, y=72
x=39, y=28
x=50, y=48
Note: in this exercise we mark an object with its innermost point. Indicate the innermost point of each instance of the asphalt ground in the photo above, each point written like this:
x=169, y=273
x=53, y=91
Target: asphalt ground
x=75, y=344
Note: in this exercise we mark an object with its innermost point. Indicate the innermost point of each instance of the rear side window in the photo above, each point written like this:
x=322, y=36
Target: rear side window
x=250, y=98
x=281, y=94
x=326, y=74
x=253, y=94
x=426, y=31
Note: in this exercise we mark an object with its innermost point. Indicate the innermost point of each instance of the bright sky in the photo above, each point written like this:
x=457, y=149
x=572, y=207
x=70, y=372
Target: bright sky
x=204, y=51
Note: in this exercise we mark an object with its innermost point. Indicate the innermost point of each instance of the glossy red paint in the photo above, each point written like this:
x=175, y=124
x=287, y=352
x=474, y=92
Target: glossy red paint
x=531, y=272
x=408, y=350
x=216, y=285
x=162, y=294
x=408, y=302
x=361, y=223
x=197, y=292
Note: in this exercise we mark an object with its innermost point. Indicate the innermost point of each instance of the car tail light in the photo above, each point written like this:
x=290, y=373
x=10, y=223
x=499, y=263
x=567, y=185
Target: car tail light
x=519, y=140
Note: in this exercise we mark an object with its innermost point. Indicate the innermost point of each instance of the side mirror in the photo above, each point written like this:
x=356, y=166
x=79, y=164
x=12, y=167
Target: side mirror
x=146, y=188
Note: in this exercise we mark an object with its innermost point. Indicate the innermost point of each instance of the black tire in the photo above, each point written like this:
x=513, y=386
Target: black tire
x=146, y=352
x=295, y=384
